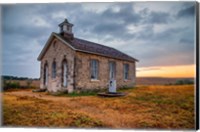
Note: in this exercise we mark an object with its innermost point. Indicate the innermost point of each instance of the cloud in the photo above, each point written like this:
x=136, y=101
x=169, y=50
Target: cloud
x=186, y=12
x=142, y=69
x=149, y=31
x=158, y=17
x=126, y=14
x=187, y=41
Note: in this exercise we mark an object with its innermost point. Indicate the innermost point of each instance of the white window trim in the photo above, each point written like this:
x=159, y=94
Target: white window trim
x=95, y=71
x=94, y=80
x=92, y=69
x=113, y=65
x=124, y=67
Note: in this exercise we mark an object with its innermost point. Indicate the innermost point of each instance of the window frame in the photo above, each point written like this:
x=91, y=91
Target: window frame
x=64, y=62
x=65, y=28
x=113, y=65
x=53, y=70
x=126, y=72
x=94, y=69
x=68, y=28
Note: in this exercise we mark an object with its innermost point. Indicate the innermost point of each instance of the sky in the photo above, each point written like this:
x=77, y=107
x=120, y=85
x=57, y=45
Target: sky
x=161, y=35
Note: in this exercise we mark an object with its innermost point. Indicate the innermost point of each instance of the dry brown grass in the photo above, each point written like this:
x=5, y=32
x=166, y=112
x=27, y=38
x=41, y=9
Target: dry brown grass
x=155, y=107
x=159, y=80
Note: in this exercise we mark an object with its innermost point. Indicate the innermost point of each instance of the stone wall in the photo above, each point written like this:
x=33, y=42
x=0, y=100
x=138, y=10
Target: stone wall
x=58, y=51
x=82, y=72
x=79, y=69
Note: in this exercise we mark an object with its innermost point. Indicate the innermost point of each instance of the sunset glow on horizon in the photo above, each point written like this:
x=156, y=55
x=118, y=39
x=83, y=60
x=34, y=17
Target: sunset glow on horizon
x=167, y=71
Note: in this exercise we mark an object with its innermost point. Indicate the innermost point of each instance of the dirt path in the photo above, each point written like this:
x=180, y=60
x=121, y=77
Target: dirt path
x=40, y=95
x=96, y=107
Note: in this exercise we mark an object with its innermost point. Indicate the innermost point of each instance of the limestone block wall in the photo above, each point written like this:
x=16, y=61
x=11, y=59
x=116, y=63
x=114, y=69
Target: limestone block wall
x=82, y=72
x=58, y=51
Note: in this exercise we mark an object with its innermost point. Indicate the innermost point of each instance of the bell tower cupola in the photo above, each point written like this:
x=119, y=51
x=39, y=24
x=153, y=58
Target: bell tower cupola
x=66, y=29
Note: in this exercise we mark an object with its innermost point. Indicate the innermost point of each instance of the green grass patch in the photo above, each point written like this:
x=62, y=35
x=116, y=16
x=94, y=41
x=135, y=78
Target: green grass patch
x=76, y=94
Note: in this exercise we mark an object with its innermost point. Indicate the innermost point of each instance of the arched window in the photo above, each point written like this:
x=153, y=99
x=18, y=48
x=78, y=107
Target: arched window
x=45, y=75
x=64, y=73
x=53, y=69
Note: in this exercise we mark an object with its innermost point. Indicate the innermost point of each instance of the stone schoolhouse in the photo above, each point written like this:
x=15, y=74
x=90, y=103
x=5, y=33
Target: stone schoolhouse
x=71, y=64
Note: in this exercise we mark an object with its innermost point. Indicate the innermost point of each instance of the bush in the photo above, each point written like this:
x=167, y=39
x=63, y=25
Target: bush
x=28, y=83
x=8, y=85
x=183, y=82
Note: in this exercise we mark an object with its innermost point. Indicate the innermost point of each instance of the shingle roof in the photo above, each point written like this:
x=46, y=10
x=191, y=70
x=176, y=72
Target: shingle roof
x=94, y=48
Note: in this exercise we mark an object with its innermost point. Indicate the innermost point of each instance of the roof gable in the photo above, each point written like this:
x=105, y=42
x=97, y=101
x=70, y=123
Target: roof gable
x=48, y=44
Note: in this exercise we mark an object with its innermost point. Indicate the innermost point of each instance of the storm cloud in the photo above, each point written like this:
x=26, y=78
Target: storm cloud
x=186, y=12
x=161, y=36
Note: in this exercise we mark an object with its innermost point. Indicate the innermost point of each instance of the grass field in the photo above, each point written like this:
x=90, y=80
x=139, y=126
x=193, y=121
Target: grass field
x=153, y=107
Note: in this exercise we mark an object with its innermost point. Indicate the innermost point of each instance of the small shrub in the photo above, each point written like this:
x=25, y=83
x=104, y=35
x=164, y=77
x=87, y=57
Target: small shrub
x=28, y=83
x=183, y=82
x=9, y=85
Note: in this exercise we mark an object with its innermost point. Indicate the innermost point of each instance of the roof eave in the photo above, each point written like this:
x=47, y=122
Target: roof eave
x=136, y=60
x=60, y=25
x=43, y=50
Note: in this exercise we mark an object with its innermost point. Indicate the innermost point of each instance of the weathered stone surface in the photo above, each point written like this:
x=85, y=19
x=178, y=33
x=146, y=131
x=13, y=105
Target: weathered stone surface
x=79, y=69
x=57, y=51
x=82, y=72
